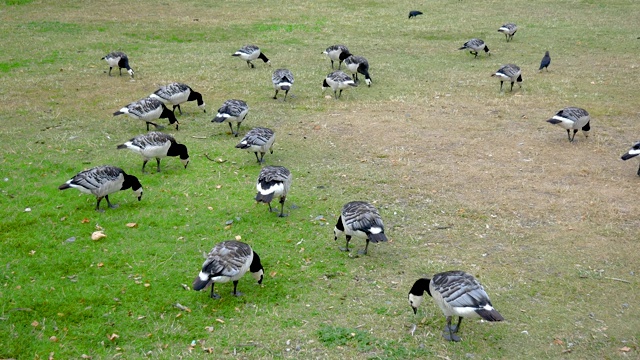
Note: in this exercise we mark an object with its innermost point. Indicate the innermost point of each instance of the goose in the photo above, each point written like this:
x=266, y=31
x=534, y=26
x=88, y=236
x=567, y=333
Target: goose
x=545, y=62
x=474, y=46
x=148, y=109
x=232, y=110
x=176, y=94
x=572, y=118
x=360, y=219
x=414, y=13
x=259, y=140
x=338, y=80
x=634, y=151
x=358, y=64
x=102, y=181
x=337, y=53
x=273, y=181
x=249, y=53
x=156, y=145
x=282, y=80
x=228, y=261
x=119, y=59
x=457, y=294
x=508, y=29
x=509, y=72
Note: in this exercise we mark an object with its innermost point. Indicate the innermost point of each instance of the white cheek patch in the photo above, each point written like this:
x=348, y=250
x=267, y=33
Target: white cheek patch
x=634, y=151
x=375, y=230
x=415, y=300
x=203, y=276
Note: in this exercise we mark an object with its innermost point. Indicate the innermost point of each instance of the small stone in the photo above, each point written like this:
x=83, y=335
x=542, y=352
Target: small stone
x=71, y=239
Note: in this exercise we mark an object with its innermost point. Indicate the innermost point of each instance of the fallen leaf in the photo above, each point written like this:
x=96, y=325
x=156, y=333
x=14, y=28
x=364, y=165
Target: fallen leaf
x=51, y=355
x=208, y=350
x=209, y=328
x=185, y=286
x=84, y=221
x=113, y=336
x=210, y=207
x=147, y=285
x=238, y=237
x=32, y=252
x=100, y=264
x=98, y=227
x=220, y=321
x=53, y=339
x=625, y=349
x=97, y=235
x=35, y=323
x=85, y=356
x=132, y=225
x=218, y=186
x=273, y=273
x=558, y=342
x=182, y=307
x=227, y=227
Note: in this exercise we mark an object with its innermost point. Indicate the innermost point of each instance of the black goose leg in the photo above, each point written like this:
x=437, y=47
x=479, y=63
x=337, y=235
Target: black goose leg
x=110, y=67
x=511, y=87
x=261, y=157
x=569, y=134
x=213, y=294
x=144, y=163
x=109, y=203
x=448, y=333
x=286, y=92
x=231, y=127
x=275, y=96
x=158, y=161
x=282, y=200
x=120, y=71
x=638, y=171
x=501, y=82
x=257, y=157
x=366, y=249
x=235, y=291
x=347, y=246
x=98, y=204
x=237, y=128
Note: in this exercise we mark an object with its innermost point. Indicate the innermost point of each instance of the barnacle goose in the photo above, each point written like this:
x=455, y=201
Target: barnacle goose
x=358, y=64
x=102, y=181
x=282, y=80
x=414, y=13
x=474, y=46
x=360, y=219
x=232, y=110
x=273, y=181
x=572, y=118
x=338, y=80
x=509, y=72
x=545, y=62
x=119, y=59
x=147, y=110
x=259, y=140
x=634, y=151
x=228, y=261
x=337, y=53
x=508, y=29
x=176, y=94
x=156, y=145
x=457, y=294
x=249, y=53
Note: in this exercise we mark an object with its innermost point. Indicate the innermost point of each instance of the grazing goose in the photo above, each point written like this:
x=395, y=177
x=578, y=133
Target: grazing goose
x=358, y=64
x=156, y=145
x=232, y=110
x=228, y=261
x=572, y=118
x=634, y=151
x=545, y=62
x=360, y=219
x=259, y=140
x=176, y=94
x=509, y=72
x=102, y=181
x=119, y=59
x=337, y=53
x=249, y=53
x=508, y=29
x=414, y=13
x=273, y=181
x=282, y=80
x=457, y=294
x=338, y=80
x=474, y=46
x=148, y=109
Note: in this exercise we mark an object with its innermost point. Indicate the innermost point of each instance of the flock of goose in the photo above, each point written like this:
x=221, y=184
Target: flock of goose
x=455, y=292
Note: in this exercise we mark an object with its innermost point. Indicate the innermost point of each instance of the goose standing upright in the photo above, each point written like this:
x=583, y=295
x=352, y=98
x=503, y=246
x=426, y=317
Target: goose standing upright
x=259, y=140
x=338, y=80
x=508, y=29
x=119, y=59
x=457, y=294
x=232, y=110
x=572, y=118
x=156, y=145
x=474, y=46
x=176, y=94
x=358, y=64
x=147, y=110
x=249, y=53
x=509, y=72
x=273, y=181
x=360, y=219
x=282, y=79
x=633, y=152
x=102, y=181
x=228, y=261
x=337, y=53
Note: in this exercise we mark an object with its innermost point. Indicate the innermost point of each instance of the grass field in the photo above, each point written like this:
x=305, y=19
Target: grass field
x=465, y=177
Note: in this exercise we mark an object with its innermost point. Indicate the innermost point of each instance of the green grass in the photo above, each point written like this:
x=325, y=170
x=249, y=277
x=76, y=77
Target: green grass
x=465, y=178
